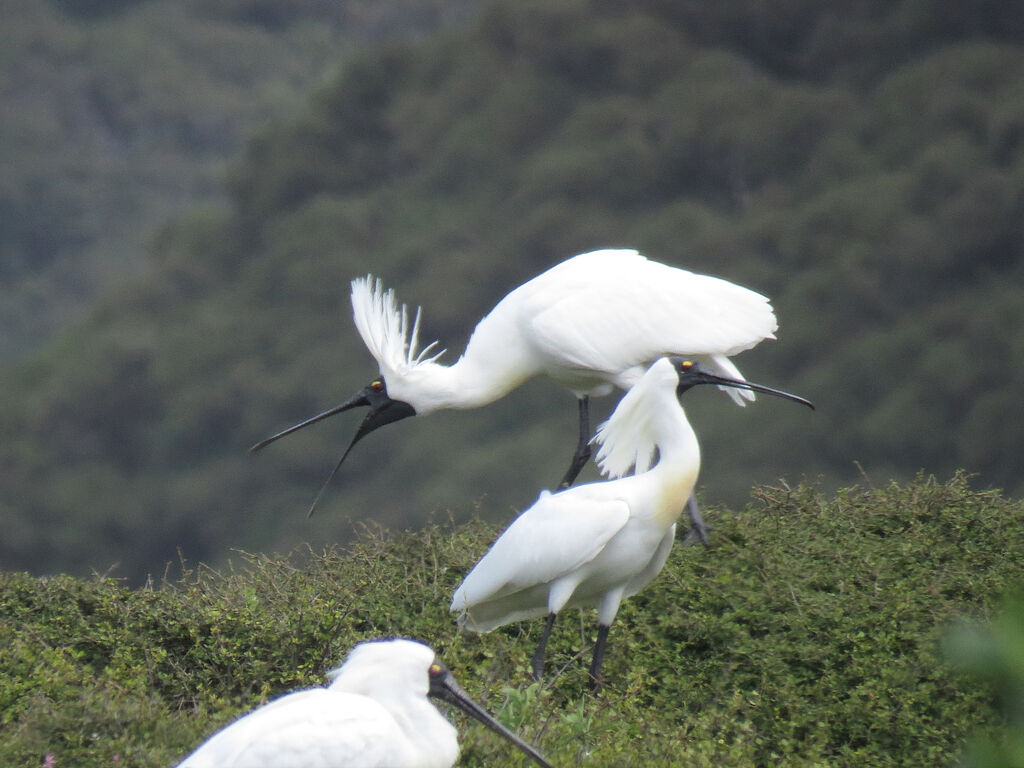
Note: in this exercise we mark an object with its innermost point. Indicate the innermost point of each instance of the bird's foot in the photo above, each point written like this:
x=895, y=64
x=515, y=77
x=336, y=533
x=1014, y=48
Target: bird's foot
x=698, y=535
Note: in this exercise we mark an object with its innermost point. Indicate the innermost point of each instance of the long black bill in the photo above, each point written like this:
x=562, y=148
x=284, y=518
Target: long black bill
x=383, y=410
x=381, y=413
x=443, y=686
x=355, y=402
x=692, y=374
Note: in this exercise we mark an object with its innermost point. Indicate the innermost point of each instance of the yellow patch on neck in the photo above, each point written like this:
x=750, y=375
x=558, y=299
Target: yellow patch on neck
x=673, y=497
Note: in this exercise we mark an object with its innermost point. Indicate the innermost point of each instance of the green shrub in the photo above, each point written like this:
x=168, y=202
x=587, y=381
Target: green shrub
x=808, y=634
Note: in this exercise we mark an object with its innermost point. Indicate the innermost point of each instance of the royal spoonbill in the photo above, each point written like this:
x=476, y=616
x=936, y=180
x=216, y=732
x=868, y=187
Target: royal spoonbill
x=374, y=713
x=597, y=543
x=593, y=322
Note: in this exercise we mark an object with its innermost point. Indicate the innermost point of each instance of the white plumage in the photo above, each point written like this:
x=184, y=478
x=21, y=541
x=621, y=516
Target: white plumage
x=374, y=714
x=594, y=321
x=588, y=546
x=598, y=543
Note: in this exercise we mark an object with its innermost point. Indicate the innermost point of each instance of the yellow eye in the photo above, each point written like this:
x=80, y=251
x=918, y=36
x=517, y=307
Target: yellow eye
x=686, y=365
x=435, y=669
x=377, y=386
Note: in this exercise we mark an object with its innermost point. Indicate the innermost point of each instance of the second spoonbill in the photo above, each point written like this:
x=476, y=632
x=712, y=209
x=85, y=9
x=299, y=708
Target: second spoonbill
x=598, y=543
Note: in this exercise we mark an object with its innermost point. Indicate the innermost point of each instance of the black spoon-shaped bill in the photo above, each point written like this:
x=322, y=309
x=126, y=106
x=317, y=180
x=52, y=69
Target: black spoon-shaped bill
x=444, y=686
x=383, y=410
x=359, y=399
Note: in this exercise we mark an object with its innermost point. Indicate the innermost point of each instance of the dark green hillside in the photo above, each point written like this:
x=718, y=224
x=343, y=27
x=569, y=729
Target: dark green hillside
x=118, y=114
x=876, y=197
x=809, y=635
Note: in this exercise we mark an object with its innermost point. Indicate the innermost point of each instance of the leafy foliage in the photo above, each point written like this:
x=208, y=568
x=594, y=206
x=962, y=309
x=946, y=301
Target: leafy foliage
x=995, y=655
x=808, y=635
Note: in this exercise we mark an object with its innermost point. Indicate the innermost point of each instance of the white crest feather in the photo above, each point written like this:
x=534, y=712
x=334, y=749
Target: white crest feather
x=626, y=439
x=385, y=328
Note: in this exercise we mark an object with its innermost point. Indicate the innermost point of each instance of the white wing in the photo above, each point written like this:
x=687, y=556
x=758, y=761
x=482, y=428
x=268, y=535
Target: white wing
x=614, y=310
x=555, y=536
x=558, y=535
x=654, y=566
x=317, y=728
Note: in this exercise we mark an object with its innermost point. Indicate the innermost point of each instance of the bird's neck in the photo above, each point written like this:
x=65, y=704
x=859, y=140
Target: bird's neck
x=675, y=438
x=465, y=384
x=433, y=738
x=678, y=465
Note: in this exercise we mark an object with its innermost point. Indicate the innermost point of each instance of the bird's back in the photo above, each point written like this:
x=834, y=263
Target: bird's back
x=601, y=317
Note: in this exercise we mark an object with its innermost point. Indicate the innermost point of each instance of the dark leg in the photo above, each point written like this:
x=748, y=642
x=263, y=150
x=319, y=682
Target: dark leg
x=595, y=665
x=582, y=455
x=537, y=661
x=698, y=530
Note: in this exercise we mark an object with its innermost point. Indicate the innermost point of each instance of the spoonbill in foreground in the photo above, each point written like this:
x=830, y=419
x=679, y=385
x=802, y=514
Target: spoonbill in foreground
x=594, y=322
x=600, y=542
x=375, y=713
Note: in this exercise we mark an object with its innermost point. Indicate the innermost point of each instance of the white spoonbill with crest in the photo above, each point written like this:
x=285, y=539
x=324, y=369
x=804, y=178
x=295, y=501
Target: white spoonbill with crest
x=591, y=323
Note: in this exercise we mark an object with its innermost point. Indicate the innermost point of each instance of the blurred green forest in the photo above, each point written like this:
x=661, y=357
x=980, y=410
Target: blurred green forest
x=118, y=114
x=861, y=163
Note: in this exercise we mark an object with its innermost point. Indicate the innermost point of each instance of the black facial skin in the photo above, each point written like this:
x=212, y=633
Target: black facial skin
x=383, y=410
